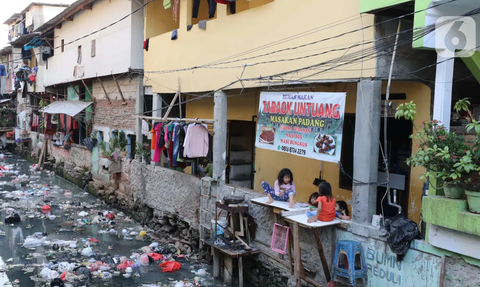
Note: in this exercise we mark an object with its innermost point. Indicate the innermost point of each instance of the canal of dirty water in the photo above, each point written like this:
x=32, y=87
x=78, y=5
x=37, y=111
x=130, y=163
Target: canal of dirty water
x=79, y=231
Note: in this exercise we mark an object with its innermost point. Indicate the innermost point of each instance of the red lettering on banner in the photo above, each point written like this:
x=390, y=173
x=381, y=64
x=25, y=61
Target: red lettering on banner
x=336, y=112
x=328, y=110
x=265, y=107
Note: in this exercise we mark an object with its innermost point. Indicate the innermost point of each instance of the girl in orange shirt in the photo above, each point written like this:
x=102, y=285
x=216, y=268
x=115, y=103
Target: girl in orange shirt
x=326, y=204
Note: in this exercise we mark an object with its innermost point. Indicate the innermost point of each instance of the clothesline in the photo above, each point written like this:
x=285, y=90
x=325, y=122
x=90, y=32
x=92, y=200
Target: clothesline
x=205, y=121
x=198, y=121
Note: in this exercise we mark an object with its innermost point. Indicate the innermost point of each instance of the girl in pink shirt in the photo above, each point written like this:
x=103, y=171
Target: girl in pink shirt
x=283, y=190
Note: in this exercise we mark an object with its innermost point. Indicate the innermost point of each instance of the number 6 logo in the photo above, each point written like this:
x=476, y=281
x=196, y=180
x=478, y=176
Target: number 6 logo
x=455, y=37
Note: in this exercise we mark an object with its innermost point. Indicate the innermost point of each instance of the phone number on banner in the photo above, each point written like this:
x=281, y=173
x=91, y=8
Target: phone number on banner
x=293, y=150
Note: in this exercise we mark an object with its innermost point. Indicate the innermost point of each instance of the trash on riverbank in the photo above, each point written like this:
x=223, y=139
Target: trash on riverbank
x=81, y=241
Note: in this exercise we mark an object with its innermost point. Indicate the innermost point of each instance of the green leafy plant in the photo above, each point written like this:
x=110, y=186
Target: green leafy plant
x=445, y=155
x=118, y=142
x=7, y=117
x=141, y=152
x=42, y=104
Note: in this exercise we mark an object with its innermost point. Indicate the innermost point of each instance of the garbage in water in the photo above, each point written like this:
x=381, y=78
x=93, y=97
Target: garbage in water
x=58, y=235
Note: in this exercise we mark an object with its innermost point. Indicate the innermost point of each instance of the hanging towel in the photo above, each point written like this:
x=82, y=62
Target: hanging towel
x=175, y=9
x=145, y=44
x=202, y=24
x=196, y=141
x=167, y=4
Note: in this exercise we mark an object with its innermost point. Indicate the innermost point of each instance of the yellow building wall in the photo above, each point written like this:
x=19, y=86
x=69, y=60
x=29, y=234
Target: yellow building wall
x=275, y=25
x=163, y=19
x=268, y=163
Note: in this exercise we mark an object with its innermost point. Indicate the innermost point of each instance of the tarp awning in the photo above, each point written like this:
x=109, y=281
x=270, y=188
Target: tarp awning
x=71, y=108
x=34, y=43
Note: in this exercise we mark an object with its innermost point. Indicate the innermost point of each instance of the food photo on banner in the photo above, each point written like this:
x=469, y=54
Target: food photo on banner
x=306, y=124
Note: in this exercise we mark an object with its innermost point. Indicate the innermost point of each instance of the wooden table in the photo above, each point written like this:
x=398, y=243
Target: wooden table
x=300, y=220
x=278, y=207
x=226, y=254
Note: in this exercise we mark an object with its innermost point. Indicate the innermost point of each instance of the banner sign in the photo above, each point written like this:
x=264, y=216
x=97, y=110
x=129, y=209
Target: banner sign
x=304, y=124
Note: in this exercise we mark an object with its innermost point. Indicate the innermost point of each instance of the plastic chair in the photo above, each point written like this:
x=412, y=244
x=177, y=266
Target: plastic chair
x=349, y=262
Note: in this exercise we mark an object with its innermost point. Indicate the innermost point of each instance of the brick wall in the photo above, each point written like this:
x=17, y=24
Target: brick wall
x=79, y=156
x=116, y=114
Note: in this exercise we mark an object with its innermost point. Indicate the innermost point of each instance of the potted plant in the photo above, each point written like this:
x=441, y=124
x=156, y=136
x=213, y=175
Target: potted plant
x=117, y=145
x=445, y=155
x=143, y=154
x=472, y=183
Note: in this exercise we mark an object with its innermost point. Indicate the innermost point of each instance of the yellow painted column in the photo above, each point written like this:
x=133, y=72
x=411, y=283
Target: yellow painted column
x=185, y=13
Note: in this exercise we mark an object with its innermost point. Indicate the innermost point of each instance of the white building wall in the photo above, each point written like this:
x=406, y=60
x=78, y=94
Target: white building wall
x=39, y=83
x=113, y=45
x=49, y=12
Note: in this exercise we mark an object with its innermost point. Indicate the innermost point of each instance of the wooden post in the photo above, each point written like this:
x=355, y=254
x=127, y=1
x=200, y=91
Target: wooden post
x=177, y=94
x=227, y=270
x=322, y=254
x=290, y=249
x=77, y=92
x=119, y=89
x=86, y=89
x=240, y=271
x=41, y=154
x=216, y=262
x=104, y=90
x=297, y=255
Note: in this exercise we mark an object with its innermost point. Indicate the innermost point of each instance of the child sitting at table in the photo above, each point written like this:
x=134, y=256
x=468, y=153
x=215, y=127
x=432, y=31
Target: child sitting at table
x=341, y=210
x=312, y=201
x=326, y=204
x=284, y=188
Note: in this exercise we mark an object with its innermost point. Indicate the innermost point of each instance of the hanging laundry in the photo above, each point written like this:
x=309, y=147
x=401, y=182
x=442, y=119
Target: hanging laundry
x=174, y=35
x=167, y=4
x=202, y=24
x=26, y=54
x=156, y=135
x=175, y=10
x=3, y=71
x=212, y=8
x=145, y=44
x=196, y=141
x=145, y=128
x=232, y=5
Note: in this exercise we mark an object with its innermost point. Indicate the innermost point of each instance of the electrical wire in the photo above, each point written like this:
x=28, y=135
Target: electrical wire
x=96, y=31
x=218, y=62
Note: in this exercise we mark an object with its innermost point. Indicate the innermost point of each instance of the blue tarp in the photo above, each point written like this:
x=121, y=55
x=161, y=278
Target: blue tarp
x=34, y=43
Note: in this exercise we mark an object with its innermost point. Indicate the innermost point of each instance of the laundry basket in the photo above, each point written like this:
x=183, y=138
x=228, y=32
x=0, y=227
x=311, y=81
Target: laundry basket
x=280, y=238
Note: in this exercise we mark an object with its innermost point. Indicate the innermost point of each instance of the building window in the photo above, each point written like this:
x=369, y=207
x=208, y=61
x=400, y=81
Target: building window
x=79, y=58
x=244, y=5
x=201, y=11
x=63, y=45
x=159, y=20
x=93, y=52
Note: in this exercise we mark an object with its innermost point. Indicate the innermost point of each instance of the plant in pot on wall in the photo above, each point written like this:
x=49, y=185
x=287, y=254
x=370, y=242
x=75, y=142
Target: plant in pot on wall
x=446, y=156
x=472, y=183
x=142, y=153
x=117, y=146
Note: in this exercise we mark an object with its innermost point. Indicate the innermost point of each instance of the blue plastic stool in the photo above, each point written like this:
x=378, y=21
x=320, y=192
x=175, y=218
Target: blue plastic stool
x=349, y=262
